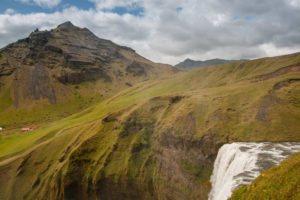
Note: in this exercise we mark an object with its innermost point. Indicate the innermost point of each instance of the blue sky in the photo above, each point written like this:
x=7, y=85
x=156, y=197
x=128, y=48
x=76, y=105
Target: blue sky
x=167, y=31
x=26, y=8
x=30, y=7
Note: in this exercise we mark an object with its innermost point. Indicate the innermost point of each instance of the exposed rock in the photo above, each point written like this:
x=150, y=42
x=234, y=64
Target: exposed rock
x=284, y=83
x=54, y=48
x=76, y=77
x=279, y=72
x=176, y=99
x=39, y=38
x=266, y=103
x=41, y=85
x=136, y=68
x=66, y=26
x=182, y=158
x=33, y=83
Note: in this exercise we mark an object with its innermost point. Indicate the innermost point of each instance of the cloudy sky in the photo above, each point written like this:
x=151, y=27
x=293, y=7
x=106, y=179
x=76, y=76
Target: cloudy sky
x=167, y=31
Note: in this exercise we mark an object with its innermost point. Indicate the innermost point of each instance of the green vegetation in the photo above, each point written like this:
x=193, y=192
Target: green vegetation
x=11, y=117
x=6, y=100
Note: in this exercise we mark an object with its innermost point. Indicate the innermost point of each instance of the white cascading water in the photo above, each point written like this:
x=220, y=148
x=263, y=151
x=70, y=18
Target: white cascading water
x=240, y=163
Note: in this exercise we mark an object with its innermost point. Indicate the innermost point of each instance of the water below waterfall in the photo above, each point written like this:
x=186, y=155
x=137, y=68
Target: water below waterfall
x=240, y=163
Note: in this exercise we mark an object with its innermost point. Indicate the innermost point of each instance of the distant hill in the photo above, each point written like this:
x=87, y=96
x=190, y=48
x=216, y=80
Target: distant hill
x=190, y=64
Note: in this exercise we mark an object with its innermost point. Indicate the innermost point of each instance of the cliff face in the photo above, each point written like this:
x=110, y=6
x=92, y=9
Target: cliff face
x=67, y=64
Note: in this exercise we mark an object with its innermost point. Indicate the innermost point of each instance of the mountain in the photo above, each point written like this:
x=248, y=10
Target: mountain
x=189, y=64
x=157, y=139
x=52, y=74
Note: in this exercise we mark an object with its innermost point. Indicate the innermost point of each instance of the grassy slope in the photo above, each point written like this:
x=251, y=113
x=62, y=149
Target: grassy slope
x=31, y=111
x=222, y=101
x=280, y=182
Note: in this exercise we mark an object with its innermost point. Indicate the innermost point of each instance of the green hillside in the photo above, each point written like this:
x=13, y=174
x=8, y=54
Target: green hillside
x=157, y=139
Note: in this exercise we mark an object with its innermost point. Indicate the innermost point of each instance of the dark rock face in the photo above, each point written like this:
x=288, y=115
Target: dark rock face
x=67, y=26
x=54, y=49
x=136, y=68
x=41, y=86
x=6, y=70
x=182, y=160
x=91, y=74
x=33, y=83
x=39, y=38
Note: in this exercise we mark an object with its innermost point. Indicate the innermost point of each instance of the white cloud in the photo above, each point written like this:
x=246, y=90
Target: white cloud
x=9, y=11
x=47, y=3
x=42, y=3
x=295, y=3
x=109, y=4
x=271, y=50
x=200, y=30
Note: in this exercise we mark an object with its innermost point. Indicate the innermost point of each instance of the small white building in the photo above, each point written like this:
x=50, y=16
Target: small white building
x=1, y=128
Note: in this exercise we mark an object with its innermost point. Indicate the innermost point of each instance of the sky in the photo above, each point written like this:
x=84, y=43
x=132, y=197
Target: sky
x=167, y=31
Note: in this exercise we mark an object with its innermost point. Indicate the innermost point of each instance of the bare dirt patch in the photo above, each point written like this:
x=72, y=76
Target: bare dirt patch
x=279, y=72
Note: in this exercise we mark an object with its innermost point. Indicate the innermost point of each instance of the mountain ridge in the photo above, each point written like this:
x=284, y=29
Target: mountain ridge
x=189, y=64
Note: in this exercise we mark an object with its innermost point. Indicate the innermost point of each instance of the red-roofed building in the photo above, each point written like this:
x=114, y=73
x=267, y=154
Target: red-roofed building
x=26, y=129
x=34, y=127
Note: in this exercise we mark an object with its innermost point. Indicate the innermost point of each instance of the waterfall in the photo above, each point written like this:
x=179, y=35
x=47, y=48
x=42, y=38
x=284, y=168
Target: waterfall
x=240, y=163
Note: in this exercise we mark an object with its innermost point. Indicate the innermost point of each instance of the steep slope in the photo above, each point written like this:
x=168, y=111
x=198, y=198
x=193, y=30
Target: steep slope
x=189, y=64
x=155, y=140
x=54, y=73
x=280, y=182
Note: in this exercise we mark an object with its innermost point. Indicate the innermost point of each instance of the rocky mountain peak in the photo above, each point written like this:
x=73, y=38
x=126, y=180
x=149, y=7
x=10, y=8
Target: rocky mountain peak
x=67, y=25
x=188, y=60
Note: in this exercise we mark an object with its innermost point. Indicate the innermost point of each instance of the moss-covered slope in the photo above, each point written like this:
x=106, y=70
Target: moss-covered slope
x=157, y=139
